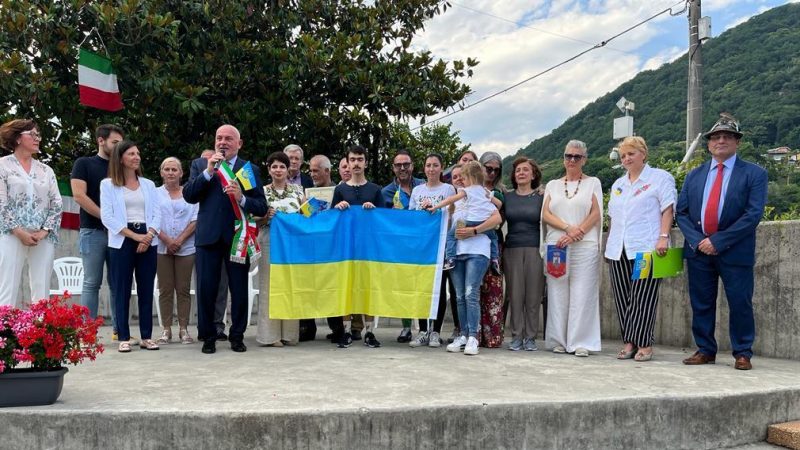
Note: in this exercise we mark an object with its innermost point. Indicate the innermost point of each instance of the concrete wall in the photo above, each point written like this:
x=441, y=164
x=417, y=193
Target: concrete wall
x=776, y=300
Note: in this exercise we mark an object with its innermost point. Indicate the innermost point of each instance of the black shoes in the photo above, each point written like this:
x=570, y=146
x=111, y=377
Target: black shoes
x=405, y=335
x=209, y=346
x=346, y=340
x=238, y=346
x=356, y=335
x=370, y=341
x=221, y=336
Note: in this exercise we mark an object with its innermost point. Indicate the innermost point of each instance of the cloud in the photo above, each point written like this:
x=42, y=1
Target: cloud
x=530, y=36
x=745, y=18
x=665, y=56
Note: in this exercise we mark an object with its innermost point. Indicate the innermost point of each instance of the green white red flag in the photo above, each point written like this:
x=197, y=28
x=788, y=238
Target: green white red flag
x=70, y=217
x=98, y=82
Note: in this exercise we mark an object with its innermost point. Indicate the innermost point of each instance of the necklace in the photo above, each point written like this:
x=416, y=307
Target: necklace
x=566, y=193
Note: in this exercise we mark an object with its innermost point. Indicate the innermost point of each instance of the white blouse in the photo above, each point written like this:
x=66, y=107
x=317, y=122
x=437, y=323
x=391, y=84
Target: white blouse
x=635, y=211
x=176, y=215
x=29, y=200
x=575, y=208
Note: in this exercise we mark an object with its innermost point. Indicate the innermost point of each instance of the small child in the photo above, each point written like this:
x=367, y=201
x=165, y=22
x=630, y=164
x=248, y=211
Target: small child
x=479, y=206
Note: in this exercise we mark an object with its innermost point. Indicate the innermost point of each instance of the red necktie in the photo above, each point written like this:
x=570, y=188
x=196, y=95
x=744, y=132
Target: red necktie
x=711, y=222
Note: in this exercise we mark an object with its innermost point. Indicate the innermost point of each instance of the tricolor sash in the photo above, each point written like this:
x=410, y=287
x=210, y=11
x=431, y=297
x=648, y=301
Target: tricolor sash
x=245, y=240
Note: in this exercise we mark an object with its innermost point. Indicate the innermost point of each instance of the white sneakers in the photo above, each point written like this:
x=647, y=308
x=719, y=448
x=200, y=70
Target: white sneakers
x=458, y=344
x=470, y=346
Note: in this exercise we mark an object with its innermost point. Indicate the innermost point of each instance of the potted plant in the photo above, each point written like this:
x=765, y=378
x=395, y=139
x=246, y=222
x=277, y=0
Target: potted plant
x=36, y=344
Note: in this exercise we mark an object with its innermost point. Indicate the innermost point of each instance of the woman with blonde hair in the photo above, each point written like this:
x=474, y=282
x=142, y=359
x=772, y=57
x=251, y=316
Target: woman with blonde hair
x=641, y=210
x=175, y=252
x=30, y=212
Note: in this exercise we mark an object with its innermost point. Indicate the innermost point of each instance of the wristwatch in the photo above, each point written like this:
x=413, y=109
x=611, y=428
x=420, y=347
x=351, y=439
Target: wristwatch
x=475, y=230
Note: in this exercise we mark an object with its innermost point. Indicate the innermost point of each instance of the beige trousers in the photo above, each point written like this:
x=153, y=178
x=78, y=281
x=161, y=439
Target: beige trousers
x=175, y=280
x=270, y=331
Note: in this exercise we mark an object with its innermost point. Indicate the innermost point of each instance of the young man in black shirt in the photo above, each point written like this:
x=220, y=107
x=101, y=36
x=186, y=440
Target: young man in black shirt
x=357, y=191
x=87, y=172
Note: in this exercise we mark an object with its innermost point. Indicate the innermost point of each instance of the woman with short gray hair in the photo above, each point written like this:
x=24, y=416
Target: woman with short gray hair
x=573, y=206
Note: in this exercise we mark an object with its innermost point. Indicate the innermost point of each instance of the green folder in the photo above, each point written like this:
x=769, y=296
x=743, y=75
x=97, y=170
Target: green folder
x=669, y=265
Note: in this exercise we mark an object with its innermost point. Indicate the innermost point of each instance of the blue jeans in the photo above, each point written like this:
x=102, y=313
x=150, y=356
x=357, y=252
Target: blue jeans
x=452, y=241
x=467, y=276
x=93, y=246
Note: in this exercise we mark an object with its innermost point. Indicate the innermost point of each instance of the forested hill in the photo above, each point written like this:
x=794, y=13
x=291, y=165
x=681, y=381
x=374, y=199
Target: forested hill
x=751, y=71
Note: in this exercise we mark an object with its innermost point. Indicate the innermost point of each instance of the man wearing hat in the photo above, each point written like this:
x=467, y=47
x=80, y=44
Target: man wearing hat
x=719, y=208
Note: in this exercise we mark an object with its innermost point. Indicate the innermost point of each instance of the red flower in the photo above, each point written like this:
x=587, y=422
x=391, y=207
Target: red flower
x=47, y=335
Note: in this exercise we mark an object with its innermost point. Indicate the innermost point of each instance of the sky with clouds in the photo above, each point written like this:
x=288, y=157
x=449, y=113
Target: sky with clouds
x=515, y=39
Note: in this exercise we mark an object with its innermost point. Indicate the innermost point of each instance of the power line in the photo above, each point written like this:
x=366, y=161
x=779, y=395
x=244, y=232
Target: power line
x=520, y=24
x=601, y=44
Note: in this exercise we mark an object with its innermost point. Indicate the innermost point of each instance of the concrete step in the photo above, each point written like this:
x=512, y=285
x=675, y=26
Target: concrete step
x=395, y=397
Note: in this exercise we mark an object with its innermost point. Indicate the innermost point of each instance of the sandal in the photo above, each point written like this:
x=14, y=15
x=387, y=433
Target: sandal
x=166, y=336
x=642, y=357
x=148, y=344
x=627, y=355
x=185, y=337
x=124, y=347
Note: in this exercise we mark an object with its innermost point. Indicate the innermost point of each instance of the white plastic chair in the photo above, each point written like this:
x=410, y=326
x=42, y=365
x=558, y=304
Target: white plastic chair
x=69, y=273
x=156, y=304
x=252, y=292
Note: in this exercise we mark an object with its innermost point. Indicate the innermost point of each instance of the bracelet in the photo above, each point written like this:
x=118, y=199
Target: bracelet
x=663, y=236
x=475, y=230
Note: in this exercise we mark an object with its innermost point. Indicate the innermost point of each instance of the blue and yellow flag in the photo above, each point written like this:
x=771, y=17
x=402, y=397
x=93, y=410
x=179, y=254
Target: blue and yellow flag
x=247, y=177
x=642, y=266
x=313, y=206
x=381, y=262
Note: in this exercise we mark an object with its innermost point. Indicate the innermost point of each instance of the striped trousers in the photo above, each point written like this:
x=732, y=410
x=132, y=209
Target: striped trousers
x=636, y=301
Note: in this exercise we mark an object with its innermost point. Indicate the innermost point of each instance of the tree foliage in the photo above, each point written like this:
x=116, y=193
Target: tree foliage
x=319, y=73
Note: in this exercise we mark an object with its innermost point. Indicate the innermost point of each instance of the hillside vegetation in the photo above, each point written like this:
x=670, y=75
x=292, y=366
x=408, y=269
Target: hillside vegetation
x=751, y=71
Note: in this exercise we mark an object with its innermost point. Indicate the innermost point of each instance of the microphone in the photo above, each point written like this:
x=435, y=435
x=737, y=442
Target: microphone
x=216, y=165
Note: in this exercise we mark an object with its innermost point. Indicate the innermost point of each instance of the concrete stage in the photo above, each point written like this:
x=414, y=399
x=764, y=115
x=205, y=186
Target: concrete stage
x=395, y=397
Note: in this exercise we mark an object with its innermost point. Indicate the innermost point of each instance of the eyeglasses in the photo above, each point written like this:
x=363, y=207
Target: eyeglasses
x=33, y=133
x=573, y=157
x=492, y=169
x=406, y=165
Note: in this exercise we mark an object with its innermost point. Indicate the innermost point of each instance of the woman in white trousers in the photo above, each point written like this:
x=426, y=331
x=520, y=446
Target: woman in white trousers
x=30, y=213
x=572, y=210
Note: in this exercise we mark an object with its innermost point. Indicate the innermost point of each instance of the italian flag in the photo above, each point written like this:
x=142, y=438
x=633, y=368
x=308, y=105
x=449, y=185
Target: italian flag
x=70, y=218
x=98, y=82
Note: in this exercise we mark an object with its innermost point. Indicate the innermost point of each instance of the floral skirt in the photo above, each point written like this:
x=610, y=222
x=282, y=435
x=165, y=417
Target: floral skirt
x=492, y=317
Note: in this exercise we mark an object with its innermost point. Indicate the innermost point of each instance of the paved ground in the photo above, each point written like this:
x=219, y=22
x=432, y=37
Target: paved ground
x=316, y=376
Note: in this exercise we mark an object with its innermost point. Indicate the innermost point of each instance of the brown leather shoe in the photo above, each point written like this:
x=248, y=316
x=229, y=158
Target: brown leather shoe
x=699, y=358
x=742, y=363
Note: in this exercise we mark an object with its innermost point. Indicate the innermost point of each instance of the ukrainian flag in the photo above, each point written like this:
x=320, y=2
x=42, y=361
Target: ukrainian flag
x=381, y=262
x=247, y=176
x=642, y=266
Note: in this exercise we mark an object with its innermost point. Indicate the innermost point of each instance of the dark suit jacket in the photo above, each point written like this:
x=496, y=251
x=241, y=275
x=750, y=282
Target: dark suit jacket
x=306, y=181
x=745, y=198
x=215, y=219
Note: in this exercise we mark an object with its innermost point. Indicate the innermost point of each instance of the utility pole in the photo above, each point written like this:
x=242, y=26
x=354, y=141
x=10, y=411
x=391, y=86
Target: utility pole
x=694, y=104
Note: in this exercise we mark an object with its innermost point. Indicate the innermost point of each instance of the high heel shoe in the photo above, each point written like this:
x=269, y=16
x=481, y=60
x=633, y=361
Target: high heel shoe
x=642, y=357
x=627, y=355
